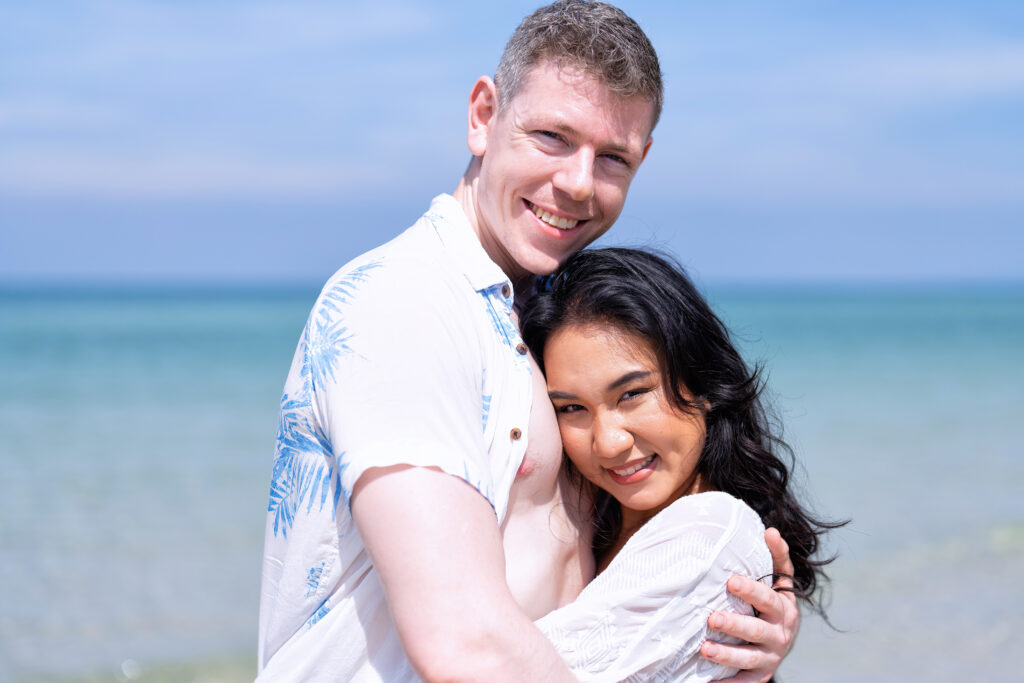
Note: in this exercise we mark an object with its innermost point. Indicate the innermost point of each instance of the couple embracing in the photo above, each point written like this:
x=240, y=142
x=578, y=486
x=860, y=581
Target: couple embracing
x=504, y=458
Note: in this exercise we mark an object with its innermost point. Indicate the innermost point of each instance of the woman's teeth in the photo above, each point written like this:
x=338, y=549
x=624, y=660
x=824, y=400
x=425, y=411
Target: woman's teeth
x=553, y=220
x=635, y=468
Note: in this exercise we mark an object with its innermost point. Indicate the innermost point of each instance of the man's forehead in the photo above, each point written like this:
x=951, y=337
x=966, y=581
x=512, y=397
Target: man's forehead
x=574, y=76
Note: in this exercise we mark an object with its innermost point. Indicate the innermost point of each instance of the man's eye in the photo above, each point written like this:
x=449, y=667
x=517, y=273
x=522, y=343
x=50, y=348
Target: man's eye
x=549, y=134
x=616, y=159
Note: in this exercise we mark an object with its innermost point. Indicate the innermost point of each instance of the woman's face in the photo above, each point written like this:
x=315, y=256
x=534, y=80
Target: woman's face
x=617, y=425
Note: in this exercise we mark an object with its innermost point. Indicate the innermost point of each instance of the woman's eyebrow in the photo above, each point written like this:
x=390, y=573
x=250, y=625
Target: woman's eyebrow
x=629, y=377
x=625, y=379
x=561, y=395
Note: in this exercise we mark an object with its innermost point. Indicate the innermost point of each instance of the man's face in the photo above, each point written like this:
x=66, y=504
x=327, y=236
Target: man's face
x=556, y=162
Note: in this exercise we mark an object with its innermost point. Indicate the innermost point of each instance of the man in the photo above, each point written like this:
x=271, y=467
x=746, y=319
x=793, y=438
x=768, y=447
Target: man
x=417, y=524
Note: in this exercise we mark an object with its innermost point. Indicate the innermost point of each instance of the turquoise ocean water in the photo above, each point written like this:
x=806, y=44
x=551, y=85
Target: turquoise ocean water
x=137, y=438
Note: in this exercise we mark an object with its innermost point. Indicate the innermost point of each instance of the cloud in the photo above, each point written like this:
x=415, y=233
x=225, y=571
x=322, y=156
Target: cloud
x=56, y=114
x=312, y=99
x=908, y=75
x=906, y=125
x=170, y=176
x=123, y=35
x=158, y=100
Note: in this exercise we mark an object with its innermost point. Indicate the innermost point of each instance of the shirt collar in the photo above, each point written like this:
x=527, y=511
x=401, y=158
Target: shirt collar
x=461, y=241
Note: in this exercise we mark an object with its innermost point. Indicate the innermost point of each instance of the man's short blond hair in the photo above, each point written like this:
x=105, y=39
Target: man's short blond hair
x=596, y=37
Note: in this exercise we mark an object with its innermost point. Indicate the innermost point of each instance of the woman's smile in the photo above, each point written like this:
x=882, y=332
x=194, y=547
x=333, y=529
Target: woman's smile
x=618, y=426
x=635, y=472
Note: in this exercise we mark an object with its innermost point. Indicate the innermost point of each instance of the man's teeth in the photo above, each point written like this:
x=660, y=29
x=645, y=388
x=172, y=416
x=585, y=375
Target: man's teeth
x=553, y=220
x=635, y=468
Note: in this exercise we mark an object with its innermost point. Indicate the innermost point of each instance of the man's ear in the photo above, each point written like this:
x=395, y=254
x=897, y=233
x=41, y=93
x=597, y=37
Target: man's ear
x=483, y=108
x=647, y=148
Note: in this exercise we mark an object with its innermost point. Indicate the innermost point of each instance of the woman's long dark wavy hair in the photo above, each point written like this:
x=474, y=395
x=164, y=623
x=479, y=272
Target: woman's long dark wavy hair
x=646, y=294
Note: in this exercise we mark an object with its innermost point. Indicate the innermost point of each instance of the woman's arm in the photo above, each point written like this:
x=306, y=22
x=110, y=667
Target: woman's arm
x=645, y=616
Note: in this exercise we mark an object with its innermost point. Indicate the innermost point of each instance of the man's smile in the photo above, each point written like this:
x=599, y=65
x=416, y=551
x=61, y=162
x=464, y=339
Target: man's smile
x=559, y=222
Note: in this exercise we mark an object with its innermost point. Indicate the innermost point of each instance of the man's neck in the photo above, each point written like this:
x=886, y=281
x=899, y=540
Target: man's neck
x=465, y=194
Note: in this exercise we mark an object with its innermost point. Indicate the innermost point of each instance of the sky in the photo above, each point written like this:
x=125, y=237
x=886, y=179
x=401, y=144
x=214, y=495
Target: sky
x=231, y=141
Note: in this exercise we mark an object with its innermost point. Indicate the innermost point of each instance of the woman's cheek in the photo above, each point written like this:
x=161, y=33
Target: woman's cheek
x=571, y=443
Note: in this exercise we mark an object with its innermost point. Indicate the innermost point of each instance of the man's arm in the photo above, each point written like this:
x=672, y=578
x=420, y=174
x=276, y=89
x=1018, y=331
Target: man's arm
x=772, y=634
x=435, y=543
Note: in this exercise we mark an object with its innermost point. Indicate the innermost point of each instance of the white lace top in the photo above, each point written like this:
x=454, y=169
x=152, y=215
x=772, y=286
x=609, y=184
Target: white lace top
x=645, y=616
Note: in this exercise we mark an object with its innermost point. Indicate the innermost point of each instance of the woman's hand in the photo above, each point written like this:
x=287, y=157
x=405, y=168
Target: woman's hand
x=771, y=634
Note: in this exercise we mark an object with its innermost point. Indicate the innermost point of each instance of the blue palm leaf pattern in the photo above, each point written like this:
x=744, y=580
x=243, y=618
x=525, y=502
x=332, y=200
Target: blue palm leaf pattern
x=338, y=490
x=313, y=578
x=485, y=399
x=486, y=412
x=341, y=290
x=328, y=343
x=305, y=468
x=503, y=325
x=320, y=613
x=328, y=337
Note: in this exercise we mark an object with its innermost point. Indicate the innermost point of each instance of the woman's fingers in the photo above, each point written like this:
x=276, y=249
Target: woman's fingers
x=770, y=604
x=748, y=629
x=754, y=663
x=782, y=565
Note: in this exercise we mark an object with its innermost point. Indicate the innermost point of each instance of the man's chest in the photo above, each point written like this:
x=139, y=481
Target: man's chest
x=547, y=549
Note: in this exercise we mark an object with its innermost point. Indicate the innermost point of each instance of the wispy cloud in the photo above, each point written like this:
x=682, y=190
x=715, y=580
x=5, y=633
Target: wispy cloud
x=156, y=100
x=905, y=110
x=311, y=99
x=172, y=176
x=52, y=114
x=912, y=125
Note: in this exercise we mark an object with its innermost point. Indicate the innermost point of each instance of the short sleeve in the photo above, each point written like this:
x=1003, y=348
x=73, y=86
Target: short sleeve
x=645, y=617
x=396, y=372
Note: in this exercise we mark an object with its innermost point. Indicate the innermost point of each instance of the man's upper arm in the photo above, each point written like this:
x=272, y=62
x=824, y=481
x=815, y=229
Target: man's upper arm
x=435, y=543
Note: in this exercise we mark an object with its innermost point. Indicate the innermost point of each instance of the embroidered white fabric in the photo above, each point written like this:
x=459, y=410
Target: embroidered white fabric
x=644, y=618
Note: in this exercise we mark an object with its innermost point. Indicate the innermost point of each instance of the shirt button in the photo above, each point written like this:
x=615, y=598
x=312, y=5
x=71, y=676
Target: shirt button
x=521, y=348
x=516, y=433
x=506, y=291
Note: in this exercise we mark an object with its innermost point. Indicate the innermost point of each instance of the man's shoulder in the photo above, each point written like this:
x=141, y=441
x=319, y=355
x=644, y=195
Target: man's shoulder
x=413, y=258
x=410, y=283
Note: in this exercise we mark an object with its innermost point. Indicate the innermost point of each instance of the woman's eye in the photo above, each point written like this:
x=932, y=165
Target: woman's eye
x=633, y=393
x=568, y=408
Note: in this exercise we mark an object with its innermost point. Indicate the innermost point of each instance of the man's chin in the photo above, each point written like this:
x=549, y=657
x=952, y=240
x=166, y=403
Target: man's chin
x=545, y=265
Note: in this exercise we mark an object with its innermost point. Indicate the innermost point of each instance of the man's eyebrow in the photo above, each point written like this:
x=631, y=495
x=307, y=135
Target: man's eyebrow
x=618, y=147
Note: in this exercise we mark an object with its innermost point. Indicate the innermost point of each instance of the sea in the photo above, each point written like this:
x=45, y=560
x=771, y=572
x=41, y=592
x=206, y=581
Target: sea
x=137, y=433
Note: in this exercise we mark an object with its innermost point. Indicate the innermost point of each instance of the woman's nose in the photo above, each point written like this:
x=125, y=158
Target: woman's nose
x=611, y=438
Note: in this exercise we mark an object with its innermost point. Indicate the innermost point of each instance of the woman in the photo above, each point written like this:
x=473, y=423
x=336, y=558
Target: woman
x=663, y=428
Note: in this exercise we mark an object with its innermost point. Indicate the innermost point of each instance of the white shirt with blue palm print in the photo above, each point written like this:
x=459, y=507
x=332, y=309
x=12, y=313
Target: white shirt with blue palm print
x=410, y=356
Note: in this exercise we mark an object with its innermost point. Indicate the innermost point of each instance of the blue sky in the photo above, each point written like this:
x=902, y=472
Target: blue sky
x=263, y=142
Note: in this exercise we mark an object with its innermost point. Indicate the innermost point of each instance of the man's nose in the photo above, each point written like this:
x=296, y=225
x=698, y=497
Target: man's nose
x=611, y=437
x=575, y=177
